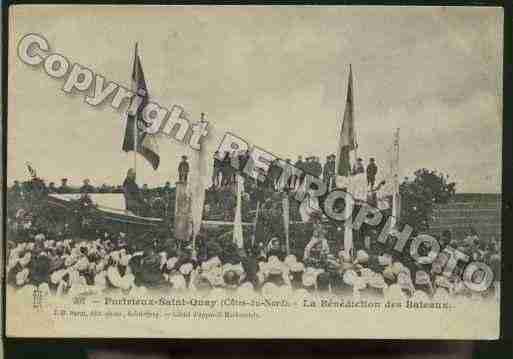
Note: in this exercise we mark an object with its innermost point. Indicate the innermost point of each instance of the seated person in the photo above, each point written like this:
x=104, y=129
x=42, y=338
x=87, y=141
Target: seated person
x=274, y=248
x=318, y=240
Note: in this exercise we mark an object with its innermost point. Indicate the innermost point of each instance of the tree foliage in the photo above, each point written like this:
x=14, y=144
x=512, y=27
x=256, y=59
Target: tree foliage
x=420, y=193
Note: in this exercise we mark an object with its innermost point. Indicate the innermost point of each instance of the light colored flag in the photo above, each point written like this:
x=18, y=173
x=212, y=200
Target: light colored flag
x=396, y=196
x=348, y=226
x=238, y=237
x=389, y=197
x=309, y=208
x=255, y=223
x=391, y=167
x=356, y=185
x=198, y=182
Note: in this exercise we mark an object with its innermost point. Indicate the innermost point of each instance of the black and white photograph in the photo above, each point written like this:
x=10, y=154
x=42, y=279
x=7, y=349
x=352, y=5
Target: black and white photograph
x=254, y=172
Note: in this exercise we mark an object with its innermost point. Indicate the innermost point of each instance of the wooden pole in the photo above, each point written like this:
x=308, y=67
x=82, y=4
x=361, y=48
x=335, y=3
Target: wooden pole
x=286, y=221
x=348, y=226
x=253, y=237
x=136, y=135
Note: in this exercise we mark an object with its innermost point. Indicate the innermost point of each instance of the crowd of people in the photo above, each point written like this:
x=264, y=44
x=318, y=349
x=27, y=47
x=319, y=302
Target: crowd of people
x=227, y=164
x=150, y=201
x=115, y=263
x=313, y=262
x=18, y=189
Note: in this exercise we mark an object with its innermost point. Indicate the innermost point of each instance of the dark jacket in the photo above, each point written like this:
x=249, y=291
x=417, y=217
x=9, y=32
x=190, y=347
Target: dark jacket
x=183, y=166
x=372, y=170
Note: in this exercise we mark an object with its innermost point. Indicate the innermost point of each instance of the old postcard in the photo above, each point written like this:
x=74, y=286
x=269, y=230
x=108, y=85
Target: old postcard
x=254, y=172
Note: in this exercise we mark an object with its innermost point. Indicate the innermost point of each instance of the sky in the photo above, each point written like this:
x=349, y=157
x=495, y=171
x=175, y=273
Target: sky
x=275, y=76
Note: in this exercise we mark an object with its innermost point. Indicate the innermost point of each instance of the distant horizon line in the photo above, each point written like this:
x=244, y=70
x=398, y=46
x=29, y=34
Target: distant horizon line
x=174, y=186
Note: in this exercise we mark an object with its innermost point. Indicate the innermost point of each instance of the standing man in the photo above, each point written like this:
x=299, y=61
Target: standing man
x=318, y=239
x=274, y=174
x=307, y=166
x=243, y=159
x=131, y=192
x=372, y=170
x=226, y=166
x=301, y=166
x=64, y=188
x=52, y=188
x=217, y=170
x=358, y=167
x=329, y=171
x=183, y=169
x=317, y=167
x=16, y=189
x=234, y=165
x=145, y=192
x=288, y=175
x=87, y=188
x=166, y=190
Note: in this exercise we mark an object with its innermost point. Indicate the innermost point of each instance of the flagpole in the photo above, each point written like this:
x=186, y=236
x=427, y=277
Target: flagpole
x=348, y=115
x=395, y=197
x=135, y=146
x=353, y=107
x=253, y=237
x=136, y=135
x=348, y=228
x=286, y=221
x=238, y=236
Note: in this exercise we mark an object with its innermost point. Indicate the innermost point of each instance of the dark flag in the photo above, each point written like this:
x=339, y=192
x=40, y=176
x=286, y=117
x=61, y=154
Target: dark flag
x=135, y=124
x=347, y=136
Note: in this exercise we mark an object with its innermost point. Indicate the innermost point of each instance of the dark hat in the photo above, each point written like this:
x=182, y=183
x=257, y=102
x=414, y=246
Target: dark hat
x=231, y=278
x=359, y=159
